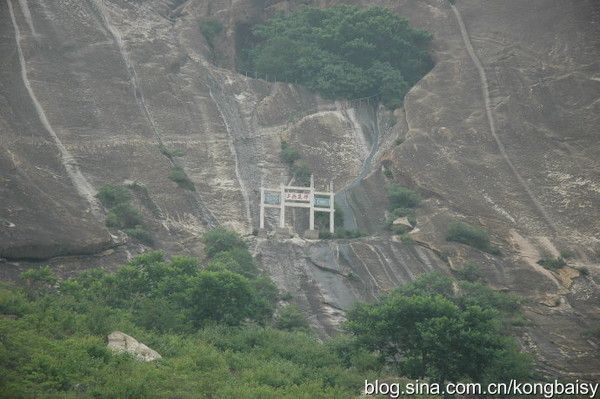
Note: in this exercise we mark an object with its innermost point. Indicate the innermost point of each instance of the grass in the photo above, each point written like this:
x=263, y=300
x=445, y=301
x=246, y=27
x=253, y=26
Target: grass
x=470, y=235
x=179, y=176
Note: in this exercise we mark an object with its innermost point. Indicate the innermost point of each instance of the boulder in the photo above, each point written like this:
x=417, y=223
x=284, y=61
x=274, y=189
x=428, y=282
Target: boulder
x=403, y=221
x=123, y=343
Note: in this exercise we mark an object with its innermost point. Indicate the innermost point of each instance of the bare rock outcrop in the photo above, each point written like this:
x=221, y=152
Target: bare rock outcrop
x=123, y=343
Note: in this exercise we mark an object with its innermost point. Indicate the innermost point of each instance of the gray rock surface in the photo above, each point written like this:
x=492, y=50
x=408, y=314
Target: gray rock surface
x=501, y=134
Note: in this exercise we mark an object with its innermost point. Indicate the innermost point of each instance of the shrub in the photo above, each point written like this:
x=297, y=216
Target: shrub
x=584, y=271
x=402, y=197
x=111, y=196
x=221, y=240
x=552, y=263
x=388, y=173
x=170, y=152
x=325, y=234
x=289, y=155
x=291, y=318
x=223, y=297
x=567, y=254
x=210, y=30
x=237, y=260
x=472, y=236
x=343, y=233
x=470, y=271
x=179, y=176
x=123, y=216
x=141, y=234
x=302, y=173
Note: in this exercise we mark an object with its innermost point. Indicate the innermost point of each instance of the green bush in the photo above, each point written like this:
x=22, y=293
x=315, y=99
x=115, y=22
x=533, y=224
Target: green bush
x=470, y=271
x=342, y=51
x=289, y=155
x=567, y=254
x=140, y=233
x=237, y=260
x=179, y=176
x=111, y=196
x=325, y=234
x=124, y=216
x=343, y=233
x=472, y=236
x=402, y=197
x=223, y=297
x=302, y=173
x=170, y=152
x=322, y=218
x=210, y=30
x=426, y=328
x=552, y=263
x=291, y=318
x=584, y=271
x=221, y=240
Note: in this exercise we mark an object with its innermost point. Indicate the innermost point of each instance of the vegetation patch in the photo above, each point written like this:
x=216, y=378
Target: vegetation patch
x=170, y=152
x=340, y=233
x=342, y=52
x=179, y=176
x=426, y=328
x=121, y=214
x=291, y=318
x=210, y=30
x=218, y=334
x=298, y=168
x=471, y=272
x=402, y=203
x=472, y=236
x=553, y=263
x=111, y=196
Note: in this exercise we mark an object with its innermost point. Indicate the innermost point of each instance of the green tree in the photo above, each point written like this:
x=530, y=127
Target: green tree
x=431, y=331
x=343, y=51
x=402, y=197
x=223, y=296
x=221, y=240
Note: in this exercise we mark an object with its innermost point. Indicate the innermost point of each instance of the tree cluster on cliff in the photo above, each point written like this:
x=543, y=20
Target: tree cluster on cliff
x=342, y=52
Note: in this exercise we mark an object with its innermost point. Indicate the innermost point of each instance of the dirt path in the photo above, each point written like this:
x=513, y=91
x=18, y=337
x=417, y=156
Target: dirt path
x=83, y=187
x=490, y=117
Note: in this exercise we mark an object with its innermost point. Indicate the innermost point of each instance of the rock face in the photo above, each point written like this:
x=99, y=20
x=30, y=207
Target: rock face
x=121, y=342
x=502, y=134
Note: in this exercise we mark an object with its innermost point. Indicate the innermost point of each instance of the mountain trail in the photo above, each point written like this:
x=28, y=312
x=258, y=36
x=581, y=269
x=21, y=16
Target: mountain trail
x=490, y=117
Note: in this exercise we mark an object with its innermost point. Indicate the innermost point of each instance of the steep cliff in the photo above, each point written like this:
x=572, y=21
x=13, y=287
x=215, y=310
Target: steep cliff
x=501, y=134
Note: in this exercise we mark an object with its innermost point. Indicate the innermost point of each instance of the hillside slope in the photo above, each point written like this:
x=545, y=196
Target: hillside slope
x=501, y=133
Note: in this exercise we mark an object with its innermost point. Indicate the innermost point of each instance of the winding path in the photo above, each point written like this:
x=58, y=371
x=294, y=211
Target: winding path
x=490, y=117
